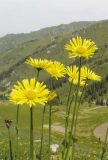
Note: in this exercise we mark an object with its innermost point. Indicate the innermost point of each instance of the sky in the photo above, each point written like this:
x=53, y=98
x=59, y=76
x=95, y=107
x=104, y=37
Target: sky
x=23, y=16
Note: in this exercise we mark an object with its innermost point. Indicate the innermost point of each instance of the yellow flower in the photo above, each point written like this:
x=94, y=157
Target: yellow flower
x=86, y=73
x=56, y=70
x=52, y=95
x=38, y=63
x=73, y=73
x=29, y=92
x=81, y=48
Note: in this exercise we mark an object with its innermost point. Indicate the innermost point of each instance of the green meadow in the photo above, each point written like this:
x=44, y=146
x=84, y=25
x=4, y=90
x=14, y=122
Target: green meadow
x=87, y=145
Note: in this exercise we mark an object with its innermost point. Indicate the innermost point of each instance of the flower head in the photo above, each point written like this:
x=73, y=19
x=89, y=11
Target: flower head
x=81, y=48
x=29, y=92
x=73, y=73
x=86, y=73
x=54, y=147
x=56, y=70
x=38, y=63
x=8, y=123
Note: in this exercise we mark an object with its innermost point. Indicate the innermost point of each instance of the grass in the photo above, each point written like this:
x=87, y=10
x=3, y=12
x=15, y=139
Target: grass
x=86, y=146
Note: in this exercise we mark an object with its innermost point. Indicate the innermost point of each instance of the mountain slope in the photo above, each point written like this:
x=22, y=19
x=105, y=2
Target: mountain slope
x=13, y=41
x=12, y=63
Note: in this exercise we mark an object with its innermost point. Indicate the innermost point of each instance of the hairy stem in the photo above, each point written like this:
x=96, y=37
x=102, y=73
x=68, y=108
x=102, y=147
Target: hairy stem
x=31, y=134
x=73, y=117
x=10, y=145
x=49, y=130
x=17, y=119
x=77, y=110
x=67, y=115
x=41, y=147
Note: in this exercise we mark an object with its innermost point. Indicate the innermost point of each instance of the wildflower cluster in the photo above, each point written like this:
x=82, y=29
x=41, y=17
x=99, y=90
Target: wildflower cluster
x=33, y=92
x=85, y=74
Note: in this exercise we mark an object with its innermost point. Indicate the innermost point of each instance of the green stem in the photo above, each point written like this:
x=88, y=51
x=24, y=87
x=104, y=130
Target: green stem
x=49, y=129
x=67, y=115
x=41, y=147
x=73, y=148
x=77, y=110
x=38, y=71
x=71, y=131
x=17, y=119
x=104, y=147
x=31, y=134
x=68, y=120
x=10, y=145
x=69, y=94
x=73, y=117
x=50, y=119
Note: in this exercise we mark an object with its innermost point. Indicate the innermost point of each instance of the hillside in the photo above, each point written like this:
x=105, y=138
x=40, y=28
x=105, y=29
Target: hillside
x=49, y=43
x=13, y=41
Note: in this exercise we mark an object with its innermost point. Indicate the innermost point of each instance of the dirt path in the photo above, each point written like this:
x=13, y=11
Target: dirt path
x=56, y=127
x=100, y=131
x=98, y=108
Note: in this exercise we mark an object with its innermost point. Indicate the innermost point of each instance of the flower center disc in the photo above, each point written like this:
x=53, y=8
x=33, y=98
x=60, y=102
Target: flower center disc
x=30, y=94
x=80, y=50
